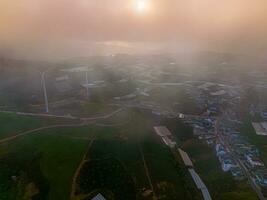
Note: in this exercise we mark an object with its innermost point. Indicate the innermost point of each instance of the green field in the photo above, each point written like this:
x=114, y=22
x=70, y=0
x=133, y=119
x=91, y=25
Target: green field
x=12, y=124
x=44, y=163
x=126, y=152
x=57, y=157
x=86, y=109
x=109, y=176
x=163, y=171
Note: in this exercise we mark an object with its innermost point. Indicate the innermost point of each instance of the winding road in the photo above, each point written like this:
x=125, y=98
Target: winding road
x=85, y=122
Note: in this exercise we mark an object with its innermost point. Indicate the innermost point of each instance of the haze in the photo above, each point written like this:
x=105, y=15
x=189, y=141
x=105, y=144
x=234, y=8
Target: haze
x=86, y=27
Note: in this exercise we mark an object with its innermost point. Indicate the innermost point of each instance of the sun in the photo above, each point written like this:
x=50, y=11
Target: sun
x=142, y=6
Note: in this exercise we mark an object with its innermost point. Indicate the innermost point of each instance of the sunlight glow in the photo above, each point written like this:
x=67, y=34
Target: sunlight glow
x=142, y=6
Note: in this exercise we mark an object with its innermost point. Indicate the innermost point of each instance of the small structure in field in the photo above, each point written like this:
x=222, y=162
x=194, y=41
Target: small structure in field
x=99, y=197
x=165, y=135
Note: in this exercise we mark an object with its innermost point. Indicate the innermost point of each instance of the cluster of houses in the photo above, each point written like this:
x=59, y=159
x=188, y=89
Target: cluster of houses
x=250, y=156
x=204, y=129
x=227, y=162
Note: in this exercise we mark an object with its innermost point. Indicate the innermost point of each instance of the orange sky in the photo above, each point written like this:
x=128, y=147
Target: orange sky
x=228, y=25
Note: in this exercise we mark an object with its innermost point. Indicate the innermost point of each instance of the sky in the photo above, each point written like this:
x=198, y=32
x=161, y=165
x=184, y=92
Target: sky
x=68, y=26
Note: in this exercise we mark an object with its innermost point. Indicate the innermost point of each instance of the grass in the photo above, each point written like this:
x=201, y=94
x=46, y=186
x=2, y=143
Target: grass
x=12, y=124
x=90, y=109
x=126, y=152
x=123, y=142
x=162, y=169
x=59, y=159
x=87, y=109
x=60, y=151
x=109, y=175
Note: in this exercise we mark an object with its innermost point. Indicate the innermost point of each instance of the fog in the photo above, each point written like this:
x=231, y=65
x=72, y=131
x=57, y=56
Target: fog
x=65, y=28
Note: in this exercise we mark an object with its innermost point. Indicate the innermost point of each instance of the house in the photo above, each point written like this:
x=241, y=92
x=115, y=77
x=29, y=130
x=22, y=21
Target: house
x=260, y=177
x=213, y=109
x=220, y=150
x=181, y=116
x=254, y=161
x=228, y=164
x=237, y=172
x=264, y=114
x=218, y=93
x=98, y=197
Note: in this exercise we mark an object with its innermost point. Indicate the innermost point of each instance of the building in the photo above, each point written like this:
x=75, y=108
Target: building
x=264, y=114
x=228, y=164
x=98, y=197
x=186, y=159
x=169, y=142
x=254, y=161
x=220, y=150
x=165, y=135
x=260, y=128
x=237, y=172
x=226, y=161
x=218, y=93
x=200, y=184
x=260, y=177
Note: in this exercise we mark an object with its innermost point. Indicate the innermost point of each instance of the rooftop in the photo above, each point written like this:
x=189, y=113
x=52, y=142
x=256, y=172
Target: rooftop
x=186, y=159
x=98, y=197
x=162, y=131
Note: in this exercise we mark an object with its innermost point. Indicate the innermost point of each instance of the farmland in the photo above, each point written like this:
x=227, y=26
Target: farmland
x=107, y=176
x=54, y=154
x=45, y=161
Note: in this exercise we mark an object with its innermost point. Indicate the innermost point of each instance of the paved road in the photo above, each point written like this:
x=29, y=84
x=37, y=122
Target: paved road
x=154, y=197
x=39, y=114
x=84, y=122
x=63, y=116
x=39, y=129
x=76, y=174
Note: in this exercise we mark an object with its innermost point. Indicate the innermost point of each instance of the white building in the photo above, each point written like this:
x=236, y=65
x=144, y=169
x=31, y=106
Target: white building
x=165, y=135
x=99, y=197
x=254, y=162
x=227, y=165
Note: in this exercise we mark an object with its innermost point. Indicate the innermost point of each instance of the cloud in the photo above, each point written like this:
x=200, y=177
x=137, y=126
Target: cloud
x=223, y=25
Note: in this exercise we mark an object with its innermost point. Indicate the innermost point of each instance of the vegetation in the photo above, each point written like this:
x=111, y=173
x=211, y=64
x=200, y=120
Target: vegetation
x=127, y=152
x=42, y=164
x=163, y=170
x=12, y=124
x=108, y=175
